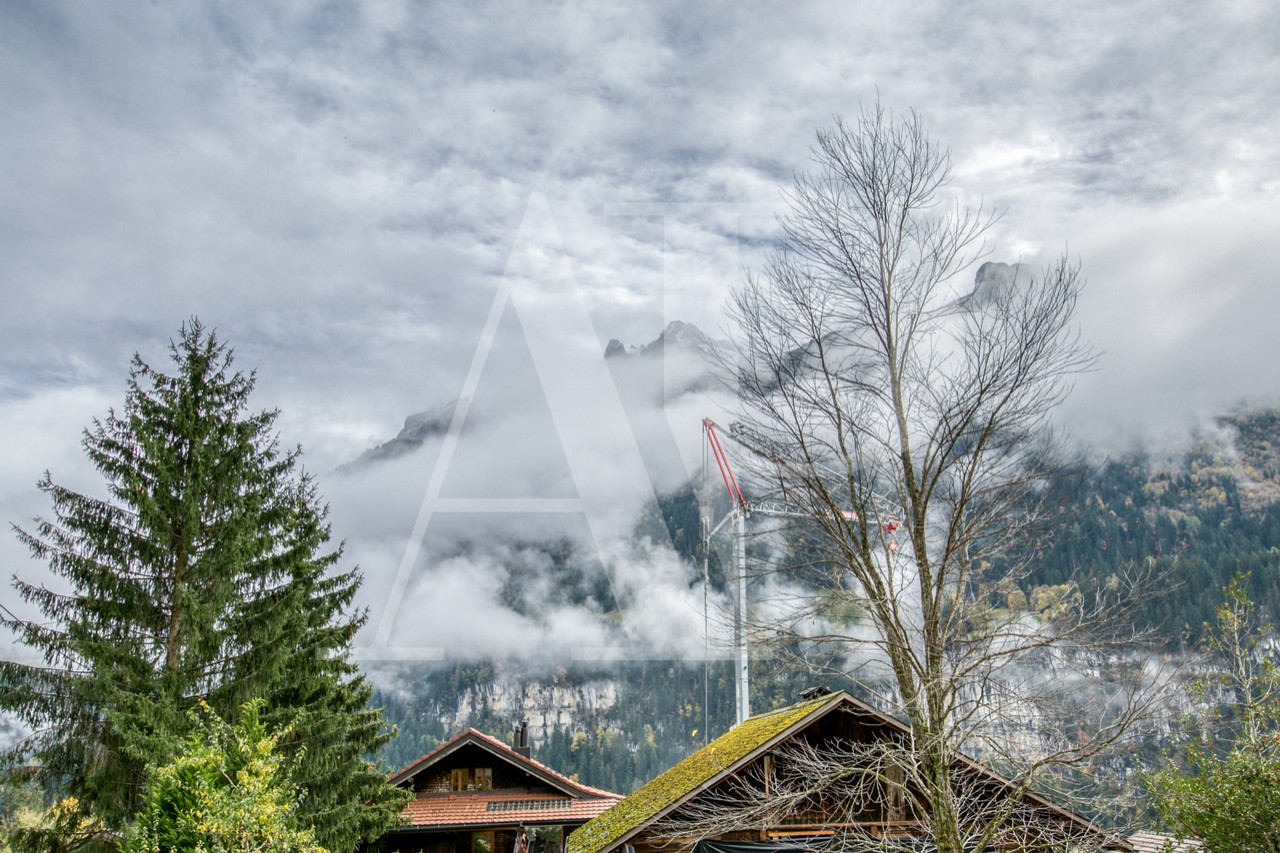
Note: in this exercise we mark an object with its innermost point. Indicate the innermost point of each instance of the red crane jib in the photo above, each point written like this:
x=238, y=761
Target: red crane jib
x=726, y=472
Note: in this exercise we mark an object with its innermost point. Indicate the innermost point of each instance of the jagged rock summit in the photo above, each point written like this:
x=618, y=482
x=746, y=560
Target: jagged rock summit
x=417, y=428
x=678, y=335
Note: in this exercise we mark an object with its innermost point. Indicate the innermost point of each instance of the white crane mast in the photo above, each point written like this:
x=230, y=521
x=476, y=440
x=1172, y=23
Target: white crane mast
x=738, y=517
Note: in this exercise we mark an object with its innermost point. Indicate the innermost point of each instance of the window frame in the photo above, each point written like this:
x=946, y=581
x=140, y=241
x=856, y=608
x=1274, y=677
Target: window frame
x=482, y=833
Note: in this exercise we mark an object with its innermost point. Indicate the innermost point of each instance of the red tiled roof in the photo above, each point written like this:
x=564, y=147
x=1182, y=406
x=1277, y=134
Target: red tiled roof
x=572, y=802
x=501, y=809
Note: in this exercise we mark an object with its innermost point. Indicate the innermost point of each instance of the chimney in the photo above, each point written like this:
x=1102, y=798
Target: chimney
x=521, y=740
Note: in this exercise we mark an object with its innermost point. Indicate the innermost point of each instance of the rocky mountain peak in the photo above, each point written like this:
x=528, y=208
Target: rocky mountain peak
x=418, y=427
x=678, y=335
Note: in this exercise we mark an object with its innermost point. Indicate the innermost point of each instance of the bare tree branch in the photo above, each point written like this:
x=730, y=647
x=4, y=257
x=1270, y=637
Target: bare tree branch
x=911, y=422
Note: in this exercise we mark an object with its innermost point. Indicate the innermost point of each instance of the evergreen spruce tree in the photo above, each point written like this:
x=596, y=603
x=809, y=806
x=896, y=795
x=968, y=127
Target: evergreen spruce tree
x=201, y=573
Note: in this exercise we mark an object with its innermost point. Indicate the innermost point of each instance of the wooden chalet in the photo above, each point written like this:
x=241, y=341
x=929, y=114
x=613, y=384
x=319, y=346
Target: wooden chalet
x=476, y=794
x=739, y=764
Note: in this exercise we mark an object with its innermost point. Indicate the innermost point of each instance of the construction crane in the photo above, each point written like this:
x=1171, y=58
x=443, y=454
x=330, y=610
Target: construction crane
x=737, y=516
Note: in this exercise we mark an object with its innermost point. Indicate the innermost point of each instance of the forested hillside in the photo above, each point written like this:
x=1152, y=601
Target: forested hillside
x=613, y=727
x=1194, y=519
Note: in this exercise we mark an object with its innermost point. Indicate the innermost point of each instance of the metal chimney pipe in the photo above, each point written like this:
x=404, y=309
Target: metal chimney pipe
x=522, y=740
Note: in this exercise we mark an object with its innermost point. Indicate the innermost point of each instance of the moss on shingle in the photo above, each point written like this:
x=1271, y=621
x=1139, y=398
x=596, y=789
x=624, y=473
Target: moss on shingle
x=654, y=798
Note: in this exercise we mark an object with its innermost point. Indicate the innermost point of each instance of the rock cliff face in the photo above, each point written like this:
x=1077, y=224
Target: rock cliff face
x=546, y=704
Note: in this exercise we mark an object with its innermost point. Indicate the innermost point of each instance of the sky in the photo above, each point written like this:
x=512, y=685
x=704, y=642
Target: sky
x=388, y=206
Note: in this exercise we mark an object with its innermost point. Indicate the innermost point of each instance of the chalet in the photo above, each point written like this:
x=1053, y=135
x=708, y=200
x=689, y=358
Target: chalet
x=475, y=794
x=732, y=776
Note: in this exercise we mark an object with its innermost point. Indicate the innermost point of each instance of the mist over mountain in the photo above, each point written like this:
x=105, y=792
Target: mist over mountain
x=639, y=371
x=576, y=585
x=1196, y=516
x=417, y=428
x=554, y=545
x=678, y=337
x=593, y=628
x=993, y=282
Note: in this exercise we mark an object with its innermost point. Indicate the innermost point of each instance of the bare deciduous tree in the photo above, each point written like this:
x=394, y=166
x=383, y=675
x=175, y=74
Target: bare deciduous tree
x=911, y=424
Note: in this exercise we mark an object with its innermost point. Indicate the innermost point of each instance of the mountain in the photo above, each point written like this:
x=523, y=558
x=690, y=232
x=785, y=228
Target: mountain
x=417, y=428
x=1194, y=514
x=678, y=336
x=1194, y=517
x=618, y=724
x=1255, y=439
x=677, y=362
x=681, y=360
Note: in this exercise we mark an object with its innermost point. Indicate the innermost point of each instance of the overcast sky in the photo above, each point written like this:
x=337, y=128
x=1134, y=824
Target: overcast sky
x=339, y=188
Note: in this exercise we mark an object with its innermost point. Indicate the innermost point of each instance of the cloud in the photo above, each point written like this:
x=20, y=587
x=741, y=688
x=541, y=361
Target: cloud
x=540, y=495
x=338, y=189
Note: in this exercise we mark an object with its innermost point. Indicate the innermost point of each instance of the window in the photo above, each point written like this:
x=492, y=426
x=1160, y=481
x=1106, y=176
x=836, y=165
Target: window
x=466, y=779
x=546, y=839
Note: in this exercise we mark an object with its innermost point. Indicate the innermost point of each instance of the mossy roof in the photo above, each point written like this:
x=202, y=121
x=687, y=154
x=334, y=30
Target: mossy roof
x=667, y=790
x=735, y=749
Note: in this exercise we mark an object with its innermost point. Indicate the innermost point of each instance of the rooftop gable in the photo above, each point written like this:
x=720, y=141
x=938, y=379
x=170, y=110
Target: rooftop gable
x=501, y=752
x=700, y=770
x=737, y=748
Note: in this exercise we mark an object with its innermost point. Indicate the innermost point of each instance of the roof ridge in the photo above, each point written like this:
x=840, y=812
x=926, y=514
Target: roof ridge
x=511, y=754
x=817, y=700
